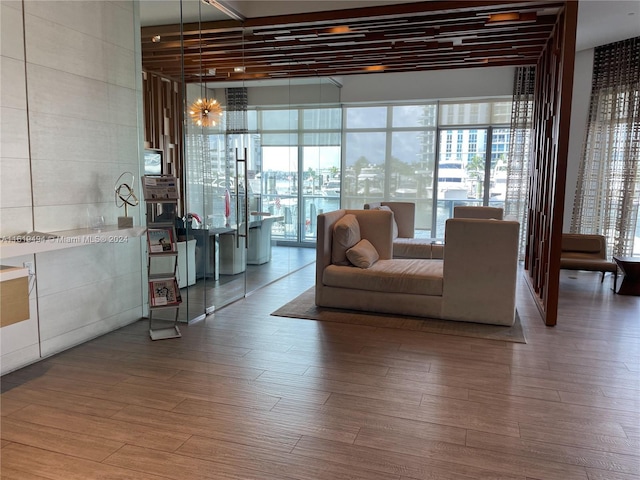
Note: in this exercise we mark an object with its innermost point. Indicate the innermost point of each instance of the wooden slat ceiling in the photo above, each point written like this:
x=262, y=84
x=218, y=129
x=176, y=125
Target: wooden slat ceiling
x=430, y=35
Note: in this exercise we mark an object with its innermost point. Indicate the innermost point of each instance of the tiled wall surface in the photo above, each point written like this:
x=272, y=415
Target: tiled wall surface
x=69, y=126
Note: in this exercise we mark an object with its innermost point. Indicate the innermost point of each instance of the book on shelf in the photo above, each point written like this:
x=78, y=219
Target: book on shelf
x=160, y=187
x=161, y=240
x=164, y=292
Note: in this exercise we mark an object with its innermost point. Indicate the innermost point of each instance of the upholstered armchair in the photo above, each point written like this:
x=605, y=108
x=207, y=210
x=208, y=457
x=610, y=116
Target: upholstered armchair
x=582, y=251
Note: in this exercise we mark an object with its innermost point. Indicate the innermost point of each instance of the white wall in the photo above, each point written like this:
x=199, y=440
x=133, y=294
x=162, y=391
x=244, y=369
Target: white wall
x=284, y=95
x=432, y=85
x=388, y=87
x=69, y=124
x=581, y=99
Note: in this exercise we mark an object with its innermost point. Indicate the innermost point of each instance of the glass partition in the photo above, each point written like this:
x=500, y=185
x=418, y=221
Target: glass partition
x=254, y=188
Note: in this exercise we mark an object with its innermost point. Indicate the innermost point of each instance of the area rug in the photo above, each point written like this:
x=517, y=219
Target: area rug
x=304, y=307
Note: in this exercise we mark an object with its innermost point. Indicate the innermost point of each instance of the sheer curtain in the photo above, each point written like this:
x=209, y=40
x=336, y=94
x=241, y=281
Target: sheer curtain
x=608, y=189
x=236, y=108
x=516, y=199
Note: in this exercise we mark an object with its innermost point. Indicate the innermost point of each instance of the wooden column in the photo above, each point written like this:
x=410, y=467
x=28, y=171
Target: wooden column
x=552, y=112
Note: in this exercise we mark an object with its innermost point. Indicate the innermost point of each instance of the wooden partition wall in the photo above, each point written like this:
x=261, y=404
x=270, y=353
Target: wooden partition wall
x=552, y=112
x=163, y=117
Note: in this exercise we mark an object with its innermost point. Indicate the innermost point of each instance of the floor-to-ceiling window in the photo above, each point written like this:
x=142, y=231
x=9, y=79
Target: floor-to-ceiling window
x=300, y=168
x=390, y=152
x=307, y=160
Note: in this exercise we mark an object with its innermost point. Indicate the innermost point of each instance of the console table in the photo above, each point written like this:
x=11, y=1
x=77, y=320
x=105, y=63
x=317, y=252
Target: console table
x=630, y=266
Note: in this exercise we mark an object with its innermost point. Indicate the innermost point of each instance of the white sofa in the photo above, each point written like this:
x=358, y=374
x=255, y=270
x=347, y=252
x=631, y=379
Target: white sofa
x=475, y=282
x=477, y=211
x=405, y=245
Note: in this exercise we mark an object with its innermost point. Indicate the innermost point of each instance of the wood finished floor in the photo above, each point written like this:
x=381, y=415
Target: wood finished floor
x=197, y=298
x=244, y=395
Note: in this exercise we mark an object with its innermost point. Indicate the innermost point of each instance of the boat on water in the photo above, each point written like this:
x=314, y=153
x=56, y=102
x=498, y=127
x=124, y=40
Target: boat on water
x=370, y=181
x=452, y=180
x=331, y=188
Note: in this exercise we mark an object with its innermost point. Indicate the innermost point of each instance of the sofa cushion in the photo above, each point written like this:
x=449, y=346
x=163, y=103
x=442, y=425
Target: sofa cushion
x=346, y=233
x=413, y=276
x=395, y=224
x=363, y=254
x=417, y=248
x=577, y=262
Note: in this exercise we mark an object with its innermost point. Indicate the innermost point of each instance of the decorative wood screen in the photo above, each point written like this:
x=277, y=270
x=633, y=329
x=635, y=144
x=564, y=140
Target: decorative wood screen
x=163, y=117
x=550, y=142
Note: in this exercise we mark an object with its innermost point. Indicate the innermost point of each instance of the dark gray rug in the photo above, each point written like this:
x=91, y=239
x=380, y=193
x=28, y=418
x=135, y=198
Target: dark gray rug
x=304, y=307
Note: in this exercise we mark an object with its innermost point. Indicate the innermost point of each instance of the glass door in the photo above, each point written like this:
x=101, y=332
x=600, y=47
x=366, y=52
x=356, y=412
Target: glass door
x=215, y=196
x=320, y=166
x=233, y=227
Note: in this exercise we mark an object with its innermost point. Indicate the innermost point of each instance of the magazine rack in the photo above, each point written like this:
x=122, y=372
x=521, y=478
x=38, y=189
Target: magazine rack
x=161, y=198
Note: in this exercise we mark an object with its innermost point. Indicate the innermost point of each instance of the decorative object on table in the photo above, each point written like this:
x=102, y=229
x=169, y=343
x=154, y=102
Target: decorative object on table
x=97, y=222
x=194, y=220
x=227, y=207
x=125, y=197
x=205, y=112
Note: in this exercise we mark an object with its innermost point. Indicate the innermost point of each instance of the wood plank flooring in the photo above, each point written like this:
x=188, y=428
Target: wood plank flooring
x=244, y=395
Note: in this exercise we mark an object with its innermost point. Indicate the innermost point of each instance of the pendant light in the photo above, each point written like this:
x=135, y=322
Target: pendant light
x=205, y=111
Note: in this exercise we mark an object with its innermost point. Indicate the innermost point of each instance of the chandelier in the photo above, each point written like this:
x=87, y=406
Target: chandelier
x=205, y=112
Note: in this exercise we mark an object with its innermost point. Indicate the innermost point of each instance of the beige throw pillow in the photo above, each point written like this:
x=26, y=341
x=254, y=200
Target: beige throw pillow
x=395, y=225
x=346, y=233
x=363, y=254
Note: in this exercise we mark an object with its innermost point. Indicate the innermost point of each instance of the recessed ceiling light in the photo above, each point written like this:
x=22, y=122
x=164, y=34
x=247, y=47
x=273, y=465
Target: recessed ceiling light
x=512, y=17
x=340, y=29
x=155, y=38
x=238, y=69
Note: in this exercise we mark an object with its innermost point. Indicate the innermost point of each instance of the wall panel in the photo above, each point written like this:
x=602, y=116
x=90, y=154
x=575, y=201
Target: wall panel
x=71, y=91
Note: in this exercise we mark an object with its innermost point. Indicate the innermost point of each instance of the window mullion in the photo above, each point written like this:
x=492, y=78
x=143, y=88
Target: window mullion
x=487, y=166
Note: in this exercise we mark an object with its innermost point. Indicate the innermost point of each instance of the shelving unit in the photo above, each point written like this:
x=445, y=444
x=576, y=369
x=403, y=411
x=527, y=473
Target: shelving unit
x=161, y=198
